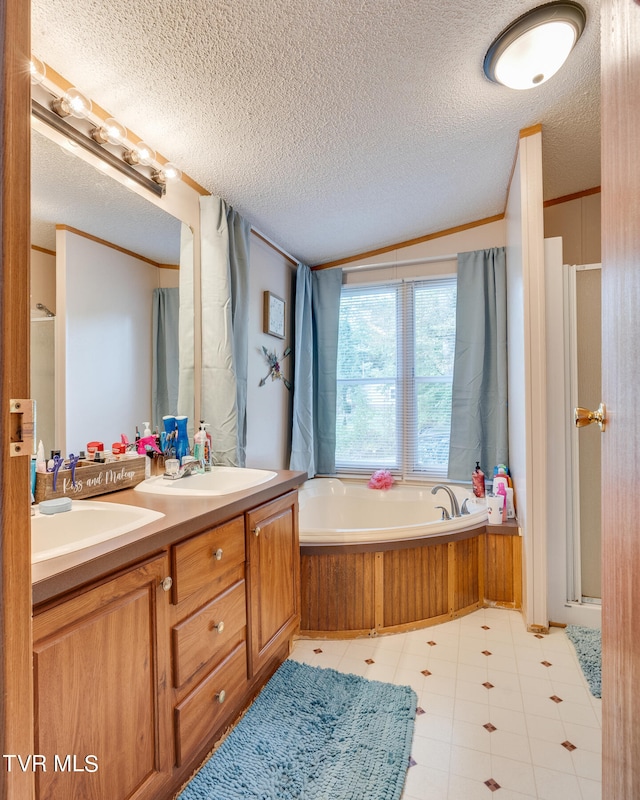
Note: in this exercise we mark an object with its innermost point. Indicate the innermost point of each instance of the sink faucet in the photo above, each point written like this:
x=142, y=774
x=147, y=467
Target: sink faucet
x=455, y=508
x=183, y=471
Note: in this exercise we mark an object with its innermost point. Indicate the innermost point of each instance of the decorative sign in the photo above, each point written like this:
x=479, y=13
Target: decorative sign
x=273, y=315
x=91, y=479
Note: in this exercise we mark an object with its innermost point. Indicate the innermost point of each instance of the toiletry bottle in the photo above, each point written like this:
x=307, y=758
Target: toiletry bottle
x=41, y=464
x=500, y=480
x=170, y=429
x=502, y=491
x=209, y=450
x=206, y=441
x=147, y=447
x=182, y=443
x=169, y=422
x=200, y=445
x=477, y=479
x=511, y=508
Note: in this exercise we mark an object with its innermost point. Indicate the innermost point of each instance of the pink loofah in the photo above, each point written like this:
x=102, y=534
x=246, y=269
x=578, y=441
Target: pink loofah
x=381, y=479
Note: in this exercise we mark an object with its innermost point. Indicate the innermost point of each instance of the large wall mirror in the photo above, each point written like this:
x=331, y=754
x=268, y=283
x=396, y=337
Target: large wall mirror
x=91, y=302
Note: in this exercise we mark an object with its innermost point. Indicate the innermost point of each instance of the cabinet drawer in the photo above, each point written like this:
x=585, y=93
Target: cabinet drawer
x=209, y=705
x=203, y=559
x=209, y=634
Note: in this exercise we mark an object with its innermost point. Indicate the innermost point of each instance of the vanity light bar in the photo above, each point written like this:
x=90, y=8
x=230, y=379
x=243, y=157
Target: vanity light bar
x=52, y=119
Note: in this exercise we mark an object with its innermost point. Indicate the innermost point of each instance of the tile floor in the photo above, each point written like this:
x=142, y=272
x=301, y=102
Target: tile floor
x=502, y=713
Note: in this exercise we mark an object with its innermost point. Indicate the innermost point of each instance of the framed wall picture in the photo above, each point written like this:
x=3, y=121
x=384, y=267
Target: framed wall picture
x=273, y=315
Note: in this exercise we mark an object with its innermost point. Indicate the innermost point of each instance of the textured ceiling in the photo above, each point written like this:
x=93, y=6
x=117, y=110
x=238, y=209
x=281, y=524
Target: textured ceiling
x=334, y=127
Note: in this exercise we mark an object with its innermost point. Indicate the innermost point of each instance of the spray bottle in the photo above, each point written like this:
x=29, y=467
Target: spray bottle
x=147, y=447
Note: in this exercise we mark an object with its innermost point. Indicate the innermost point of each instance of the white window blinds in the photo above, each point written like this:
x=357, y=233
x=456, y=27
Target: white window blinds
x=395, y=368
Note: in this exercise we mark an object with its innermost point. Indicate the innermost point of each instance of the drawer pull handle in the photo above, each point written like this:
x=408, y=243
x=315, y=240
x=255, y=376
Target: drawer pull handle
x=167, y=583
x=218, y=554
x=221, y=696
x=256, y=530
x=219, y=627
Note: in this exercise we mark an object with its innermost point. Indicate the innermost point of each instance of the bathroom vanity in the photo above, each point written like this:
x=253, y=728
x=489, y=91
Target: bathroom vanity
x=145, y=654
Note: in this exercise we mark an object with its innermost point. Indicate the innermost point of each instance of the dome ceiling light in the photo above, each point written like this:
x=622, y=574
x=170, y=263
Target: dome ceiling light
x=534, y=47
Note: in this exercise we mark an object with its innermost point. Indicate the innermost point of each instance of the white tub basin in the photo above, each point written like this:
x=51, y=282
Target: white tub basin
x=89, y=522
x=220, y=481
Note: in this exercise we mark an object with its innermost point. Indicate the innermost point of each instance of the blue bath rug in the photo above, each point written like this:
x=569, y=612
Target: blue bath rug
x=588, y=644
x=314, y=734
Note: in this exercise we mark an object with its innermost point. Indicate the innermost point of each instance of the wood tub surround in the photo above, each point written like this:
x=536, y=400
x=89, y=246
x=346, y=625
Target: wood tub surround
x=360, y=590
x=145, y=666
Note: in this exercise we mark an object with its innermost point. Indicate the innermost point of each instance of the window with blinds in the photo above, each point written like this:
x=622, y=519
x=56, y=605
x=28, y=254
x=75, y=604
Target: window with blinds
x=395, y=368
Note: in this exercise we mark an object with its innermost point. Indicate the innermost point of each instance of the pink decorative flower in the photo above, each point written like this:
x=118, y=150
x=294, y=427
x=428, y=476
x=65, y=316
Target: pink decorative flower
x=381, y=479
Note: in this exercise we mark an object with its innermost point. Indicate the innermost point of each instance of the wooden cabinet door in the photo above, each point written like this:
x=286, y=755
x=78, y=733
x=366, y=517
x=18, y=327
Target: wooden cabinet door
x=102, y=714
x=273, y=571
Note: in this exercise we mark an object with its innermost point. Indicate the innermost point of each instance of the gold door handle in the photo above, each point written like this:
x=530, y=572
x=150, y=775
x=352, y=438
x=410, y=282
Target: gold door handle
x=582, y=417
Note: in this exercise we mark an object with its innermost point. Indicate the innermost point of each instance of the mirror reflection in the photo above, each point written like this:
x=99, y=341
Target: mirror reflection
x=97, y=251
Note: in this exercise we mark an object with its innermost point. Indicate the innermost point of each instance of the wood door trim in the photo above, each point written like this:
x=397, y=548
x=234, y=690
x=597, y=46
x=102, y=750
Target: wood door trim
x=620, y=71
x=16, y=680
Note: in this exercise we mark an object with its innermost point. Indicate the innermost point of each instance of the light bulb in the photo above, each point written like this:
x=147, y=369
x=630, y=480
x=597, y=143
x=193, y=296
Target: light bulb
x=79, y=104
x=142, y=153
x=114, y=131
x=73, y=103
x=167, y=173
x=110, y=131
x=37, y=69
x=171, y=172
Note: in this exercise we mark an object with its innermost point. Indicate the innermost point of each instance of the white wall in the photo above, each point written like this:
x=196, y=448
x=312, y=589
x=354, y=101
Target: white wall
x=103, y=342
x=527, y=370
x=268, y=406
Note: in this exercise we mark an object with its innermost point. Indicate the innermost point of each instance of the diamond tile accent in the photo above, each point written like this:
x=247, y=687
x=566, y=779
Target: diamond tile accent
x=489, y=727
x=486, y=652
x=488, y=685
x=493, y=785
x=555, y=698
x=420, y=711
x=426, y=673
x=485, y=627
x=538, y=636
x=432, y=644
x=412, y=761
x=569, y=746
x=369, y=661
x=546, y=664
x=318, y=650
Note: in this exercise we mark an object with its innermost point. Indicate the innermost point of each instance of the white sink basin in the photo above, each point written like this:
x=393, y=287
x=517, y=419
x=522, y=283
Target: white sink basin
x=220, y=481
x=89, y=522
